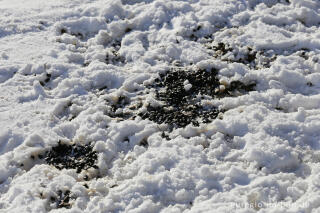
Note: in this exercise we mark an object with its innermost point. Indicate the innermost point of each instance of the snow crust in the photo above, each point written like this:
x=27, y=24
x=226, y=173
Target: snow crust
x=261, y=156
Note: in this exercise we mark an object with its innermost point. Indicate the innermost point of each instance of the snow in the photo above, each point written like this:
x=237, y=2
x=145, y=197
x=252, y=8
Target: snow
x=187, y=85
x=64, y=63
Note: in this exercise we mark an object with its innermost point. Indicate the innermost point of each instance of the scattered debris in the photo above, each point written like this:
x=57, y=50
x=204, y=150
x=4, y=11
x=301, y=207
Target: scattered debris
x=116, y=109
x=113, y=57
x=79, y=157
x=63, y=31
x=164, y=135
x=61, y=199
x=255, y=59
x=46, y=80
x=144, y=143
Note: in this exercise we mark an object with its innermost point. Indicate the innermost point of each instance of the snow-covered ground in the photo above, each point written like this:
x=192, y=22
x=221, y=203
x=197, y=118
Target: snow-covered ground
x=65, y=66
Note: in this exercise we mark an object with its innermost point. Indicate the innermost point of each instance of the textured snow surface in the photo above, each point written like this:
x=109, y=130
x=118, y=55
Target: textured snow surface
x=70, y=71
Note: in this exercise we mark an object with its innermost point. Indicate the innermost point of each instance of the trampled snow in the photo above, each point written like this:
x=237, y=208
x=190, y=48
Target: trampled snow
x=79, y=72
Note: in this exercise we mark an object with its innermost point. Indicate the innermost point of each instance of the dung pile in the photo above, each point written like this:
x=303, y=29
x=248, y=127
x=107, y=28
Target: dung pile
x=182, y=92
x=79, y=157
x=182, y=86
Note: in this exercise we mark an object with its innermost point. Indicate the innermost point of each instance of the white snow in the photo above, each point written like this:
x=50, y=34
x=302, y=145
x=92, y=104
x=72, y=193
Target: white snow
x=187, y=86
x=262, y=155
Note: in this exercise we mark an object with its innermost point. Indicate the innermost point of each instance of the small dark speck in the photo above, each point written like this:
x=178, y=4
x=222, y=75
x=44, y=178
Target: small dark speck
x=63, y=31
x=115, y=185
x=309, y=84
x=128, y=30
